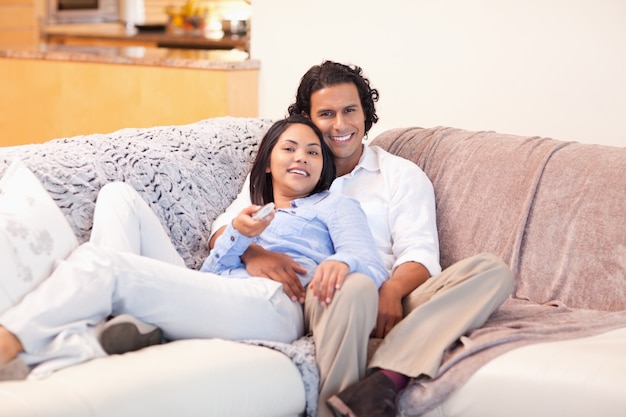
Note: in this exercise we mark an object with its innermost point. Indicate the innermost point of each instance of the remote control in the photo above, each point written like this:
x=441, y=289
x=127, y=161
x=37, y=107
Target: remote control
x=264, y=211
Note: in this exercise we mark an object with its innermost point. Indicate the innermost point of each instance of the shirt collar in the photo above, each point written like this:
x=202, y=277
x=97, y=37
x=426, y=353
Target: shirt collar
x=368, y=162
x=312, y=199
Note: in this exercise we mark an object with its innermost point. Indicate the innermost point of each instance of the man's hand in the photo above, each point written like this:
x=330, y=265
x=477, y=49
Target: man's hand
x=404, y=280
x=329, y=277
x=276, y=266
x=389, y=310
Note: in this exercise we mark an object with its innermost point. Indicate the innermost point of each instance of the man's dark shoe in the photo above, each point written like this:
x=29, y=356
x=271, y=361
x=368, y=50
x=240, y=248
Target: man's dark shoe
x=125, y=333
x=373, y=396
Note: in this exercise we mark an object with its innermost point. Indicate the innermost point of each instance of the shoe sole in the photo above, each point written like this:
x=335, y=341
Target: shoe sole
x=339, y=408
x=15, y=370
x=125, y=337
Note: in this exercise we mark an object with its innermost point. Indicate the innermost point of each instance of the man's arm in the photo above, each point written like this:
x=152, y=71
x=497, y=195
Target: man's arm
x=413, y=226
x=276, y=266
x=273, y=265
x=217, y=234
x=403, y=281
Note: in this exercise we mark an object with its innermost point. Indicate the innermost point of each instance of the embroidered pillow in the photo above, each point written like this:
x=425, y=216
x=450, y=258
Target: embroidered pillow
x=33, y=234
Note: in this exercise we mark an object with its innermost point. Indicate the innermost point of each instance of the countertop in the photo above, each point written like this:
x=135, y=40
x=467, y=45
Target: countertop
x=118, y=32
x=137, y=55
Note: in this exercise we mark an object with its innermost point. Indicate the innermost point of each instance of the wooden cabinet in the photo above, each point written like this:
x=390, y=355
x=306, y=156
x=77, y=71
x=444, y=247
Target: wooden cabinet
x=19, y=22
x=43, y=99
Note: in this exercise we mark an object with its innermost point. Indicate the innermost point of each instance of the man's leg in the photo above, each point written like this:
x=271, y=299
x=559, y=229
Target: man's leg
x=437, y=313
x=440, y=311
x=340, y=331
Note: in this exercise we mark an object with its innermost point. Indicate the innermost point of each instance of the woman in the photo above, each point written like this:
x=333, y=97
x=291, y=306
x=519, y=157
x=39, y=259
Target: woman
x=322, y=231
x=57, y=320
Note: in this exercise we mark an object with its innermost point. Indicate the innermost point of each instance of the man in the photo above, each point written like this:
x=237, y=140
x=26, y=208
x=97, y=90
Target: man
x=420, y=310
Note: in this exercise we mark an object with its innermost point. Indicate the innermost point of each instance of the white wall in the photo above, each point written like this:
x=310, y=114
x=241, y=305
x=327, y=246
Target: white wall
x=554, y=68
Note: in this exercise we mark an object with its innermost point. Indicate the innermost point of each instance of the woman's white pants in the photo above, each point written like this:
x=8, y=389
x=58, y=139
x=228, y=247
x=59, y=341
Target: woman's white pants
x=123, y=221
x=56, y=321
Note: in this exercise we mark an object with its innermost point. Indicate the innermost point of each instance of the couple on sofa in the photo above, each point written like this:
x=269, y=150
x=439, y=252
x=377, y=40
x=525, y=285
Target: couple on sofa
x=398, y=292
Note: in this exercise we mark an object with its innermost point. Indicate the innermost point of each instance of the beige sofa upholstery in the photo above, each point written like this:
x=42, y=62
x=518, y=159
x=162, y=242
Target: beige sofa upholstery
x=552, y=210
x=555, y=212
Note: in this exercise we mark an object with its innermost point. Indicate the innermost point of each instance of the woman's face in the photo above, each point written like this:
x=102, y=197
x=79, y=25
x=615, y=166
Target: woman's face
x=337, y=111
x=296, y=162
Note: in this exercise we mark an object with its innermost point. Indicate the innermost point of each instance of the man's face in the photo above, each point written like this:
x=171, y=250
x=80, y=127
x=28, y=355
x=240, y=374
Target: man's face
x=338, y=113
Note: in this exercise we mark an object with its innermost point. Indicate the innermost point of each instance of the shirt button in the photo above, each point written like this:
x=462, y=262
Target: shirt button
x=232, y=238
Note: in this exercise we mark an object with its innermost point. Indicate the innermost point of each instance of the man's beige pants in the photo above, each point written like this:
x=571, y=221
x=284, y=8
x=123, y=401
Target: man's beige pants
x=436, y=314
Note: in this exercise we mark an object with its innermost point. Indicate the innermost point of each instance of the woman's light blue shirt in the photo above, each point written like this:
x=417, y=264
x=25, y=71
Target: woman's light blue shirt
x=323, y=226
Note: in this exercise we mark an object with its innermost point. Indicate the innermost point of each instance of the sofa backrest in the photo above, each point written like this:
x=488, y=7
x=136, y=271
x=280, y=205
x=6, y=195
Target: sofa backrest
x=554, y=211
x=188, y=174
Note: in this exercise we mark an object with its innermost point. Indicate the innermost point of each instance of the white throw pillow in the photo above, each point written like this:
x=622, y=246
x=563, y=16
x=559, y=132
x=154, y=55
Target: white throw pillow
x=33, y=234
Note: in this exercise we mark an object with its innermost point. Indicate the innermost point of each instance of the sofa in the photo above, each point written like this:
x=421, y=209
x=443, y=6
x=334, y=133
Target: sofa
x=554, y=211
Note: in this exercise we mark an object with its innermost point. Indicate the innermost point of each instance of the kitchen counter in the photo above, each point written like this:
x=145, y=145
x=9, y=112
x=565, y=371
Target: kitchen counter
x=117, y=34
x=137, y=55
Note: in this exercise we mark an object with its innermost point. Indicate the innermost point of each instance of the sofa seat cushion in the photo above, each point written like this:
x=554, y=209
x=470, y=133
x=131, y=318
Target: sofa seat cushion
x=575, y=378
x=190, y=377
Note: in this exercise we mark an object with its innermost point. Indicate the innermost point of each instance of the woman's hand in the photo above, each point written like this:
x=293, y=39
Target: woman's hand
x=248, y=225
x=329, y=277
x=275, y=266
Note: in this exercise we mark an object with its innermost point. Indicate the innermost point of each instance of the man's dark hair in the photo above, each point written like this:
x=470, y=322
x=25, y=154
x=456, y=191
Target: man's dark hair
x=329, y=74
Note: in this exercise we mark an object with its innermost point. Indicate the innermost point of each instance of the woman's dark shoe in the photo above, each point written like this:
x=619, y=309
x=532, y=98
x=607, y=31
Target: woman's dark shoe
x=125, y=333
x=14, y=370
x=373, y=396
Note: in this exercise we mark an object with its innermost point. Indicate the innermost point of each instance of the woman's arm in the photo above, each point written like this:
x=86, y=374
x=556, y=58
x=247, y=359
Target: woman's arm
x=234, y=240
x=258, y=261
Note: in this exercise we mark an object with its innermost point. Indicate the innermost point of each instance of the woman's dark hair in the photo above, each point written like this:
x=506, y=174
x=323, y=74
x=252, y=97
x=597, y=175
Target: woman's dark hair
x=329, y=74
x=261, y=189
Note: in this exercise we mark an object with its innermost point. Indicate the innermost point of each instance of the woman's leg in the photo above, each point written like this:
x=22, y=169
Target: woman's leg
x=123, y=221
x=56, y=320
